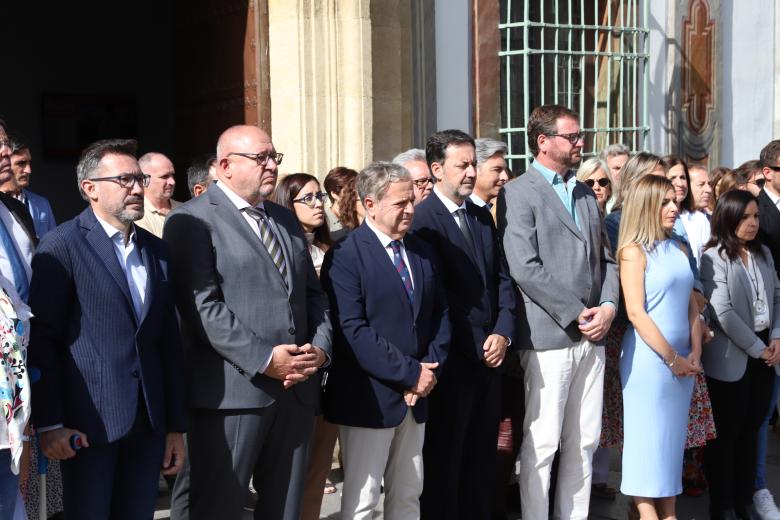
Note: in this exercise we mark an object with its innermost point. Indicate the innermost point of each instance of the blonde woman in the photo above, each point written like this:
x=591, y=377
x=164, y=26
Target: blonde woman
x=661, y=349
x=595, y=173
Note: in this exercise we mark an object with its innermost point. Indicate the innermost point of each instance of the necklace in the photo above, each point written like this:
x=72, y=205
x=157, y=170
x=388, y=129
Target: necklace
x=758, y=303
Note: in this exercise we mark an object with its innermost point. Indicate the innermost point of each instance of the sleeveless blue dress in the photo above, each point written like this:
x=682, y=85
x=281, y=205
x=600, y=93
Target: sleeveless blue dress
x=655, y=401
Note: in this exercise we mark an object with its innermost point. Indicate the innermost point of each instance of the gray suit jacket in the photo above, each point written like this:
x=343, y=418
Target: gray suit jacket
x=559, y=269
x=234, y=305
x=730, y=293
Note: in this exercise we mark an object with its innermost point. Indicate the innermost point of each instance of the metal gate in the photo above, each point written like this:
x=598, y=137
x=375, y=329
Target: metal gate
x=591, y=56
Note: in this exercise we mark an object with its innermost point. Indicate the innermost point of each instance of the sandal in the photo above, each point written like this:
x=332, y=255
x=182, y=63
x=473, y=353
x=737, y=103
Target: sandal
x=330, y=488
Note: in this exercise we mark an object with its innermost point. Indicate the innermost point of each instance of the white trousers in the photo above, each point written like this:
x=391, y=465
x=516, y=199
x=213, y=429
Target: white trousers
x=564, y=391
x=369, y=454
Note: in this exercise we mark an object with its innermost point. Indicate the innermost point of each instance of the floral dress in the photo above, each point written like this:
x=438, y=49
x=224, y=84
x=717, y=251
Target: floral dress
x=15, y=382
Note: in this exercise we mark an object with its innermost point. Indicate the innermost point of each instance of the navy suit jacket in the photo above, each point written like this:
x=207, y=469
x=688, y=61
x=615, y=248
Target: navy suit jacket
x=41, y=213
x=480, y=291
x=379, y=337
x=769, y=227
x=92, y=351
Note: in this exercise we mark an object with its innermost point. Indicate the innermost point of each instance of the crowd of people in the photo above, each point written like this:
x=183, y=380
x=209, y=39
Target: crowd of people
x=435, y=316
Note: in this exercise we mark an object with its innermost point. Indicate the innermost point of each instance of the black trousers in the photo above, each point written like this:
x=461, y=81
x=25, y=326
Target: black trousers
x=730, y=459
x=459, y=453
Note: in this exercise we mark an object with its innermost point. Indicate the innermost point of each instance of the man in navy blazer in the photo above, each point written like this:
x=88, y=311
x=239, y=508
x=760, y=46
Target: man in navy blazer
x=461, y=434
x=391, y=337
x=106, y=340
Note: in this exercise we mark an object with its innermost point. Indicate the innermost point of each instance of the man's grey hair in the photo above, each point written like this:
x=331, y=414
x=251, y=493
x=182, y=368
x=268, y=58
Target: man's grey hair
x=614, y=150
x=486, y=148
x=412, y=154
x=374, y=180
x=89, y=162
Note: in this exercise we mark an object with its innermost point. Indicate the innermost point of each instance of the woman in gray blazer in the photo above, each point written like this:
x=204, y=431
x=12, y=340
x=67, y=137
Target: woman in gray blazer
x=741, y=285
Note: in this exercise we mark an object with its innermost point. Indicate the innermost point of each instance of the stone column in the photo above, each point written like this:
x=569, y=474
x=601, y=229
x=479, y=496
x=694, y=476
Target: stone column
x=340, y=86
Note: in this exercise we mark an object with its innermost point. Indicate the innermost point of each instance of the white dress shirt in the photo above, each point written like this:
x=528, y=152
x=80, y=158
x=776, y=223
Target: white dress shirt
x=774, y=198
x=385, y=241
x=451, y=206
x=131, y=263
x=697, y=227
x=24, y=246
x=476, y=199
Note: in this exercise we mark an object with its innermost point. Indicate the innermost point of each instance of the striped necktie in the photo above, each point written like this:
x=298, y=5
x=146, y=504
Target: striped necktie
x=269, y=240
x=403, y=272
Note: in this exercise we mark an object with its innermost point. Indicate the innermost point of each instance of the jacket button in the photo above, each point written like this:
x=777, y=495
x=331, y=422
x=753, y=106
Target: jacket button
x=134, y=373
x=291, y=330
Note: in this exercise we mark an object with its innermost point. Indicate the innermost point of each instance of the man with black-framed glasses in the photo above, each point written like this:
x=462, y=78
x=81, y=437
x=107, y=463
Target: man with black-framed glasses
x=256, y=329
x=556, y=248
x=110, y=400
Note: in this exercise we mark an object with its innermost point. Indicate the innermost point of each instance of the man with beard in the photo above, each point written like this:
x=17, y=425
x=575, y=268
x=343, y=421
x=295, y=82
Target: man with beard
x=106, y=341
x=158, y=201
x=460, y=437
x=16, y=186
x=558, y=256
x=17, y=231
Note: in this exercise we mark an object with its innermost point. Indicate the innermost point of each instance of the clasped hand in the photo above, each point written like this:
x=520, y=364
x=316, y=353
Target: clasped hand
x=771, y=354
x=594, y=322
x=425, y=383
x=292, y=364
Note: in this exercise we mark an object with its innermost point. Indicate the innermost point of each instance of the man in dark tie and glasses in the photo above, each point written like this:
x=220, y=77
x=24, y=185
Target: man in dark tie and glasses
x=256, y=330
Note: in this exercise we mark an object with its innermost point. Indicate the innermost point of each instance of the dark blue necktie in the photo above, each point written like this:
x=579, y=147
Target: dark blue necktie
x=403, y=272
x=17, y=266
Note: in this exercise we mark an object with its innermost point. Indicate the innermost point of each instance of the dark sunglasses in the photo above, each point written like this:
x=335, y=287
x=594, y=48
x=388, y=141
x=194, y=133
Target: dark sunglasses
x=601, y=182
x=759, y=182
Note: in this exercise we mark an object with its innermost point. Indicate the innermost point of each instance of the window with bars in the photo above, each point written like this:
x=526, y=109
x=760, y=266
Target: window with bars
x=591, y=56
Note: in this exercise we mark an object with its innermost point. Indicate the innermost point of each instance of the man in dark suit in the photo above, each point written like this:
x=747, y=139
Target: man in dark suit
x=462, y=431
x=106, y=341
x=17, y=231
x=769, y=234
x=392, y=337
x=255, y=328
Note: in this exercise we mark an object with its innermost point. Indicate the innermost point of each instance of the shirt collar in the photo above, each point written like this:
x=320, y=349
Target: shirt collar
x=774, y=198
x=451, y=206
x=114, y=233
x=240, y=203
x=476, y=199
x=151, y=208
x=551, y=176
x=383, y=238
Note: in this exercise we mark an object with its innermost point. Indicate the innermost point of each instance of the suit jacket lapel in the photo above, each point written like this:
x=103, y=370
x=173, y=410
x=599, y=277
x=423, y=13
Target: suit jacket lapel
x=151, y=277
x=417, y=277
x=284, y=238
x=548, y=193
x=382, y=260
x=453, y=231
x=233, y=218
x=479, y=242
x=97, y=238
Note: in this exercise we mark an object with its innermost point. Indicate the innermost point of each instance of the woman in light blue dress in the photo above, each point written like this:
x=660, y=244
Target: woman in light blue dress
x=661, y=348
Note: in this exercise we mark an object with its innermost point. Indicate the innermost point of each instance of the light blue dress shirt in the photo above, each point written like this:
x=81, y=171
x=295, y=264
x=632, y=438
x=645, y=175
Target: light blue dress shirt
x=130, y=261
x=564, y=188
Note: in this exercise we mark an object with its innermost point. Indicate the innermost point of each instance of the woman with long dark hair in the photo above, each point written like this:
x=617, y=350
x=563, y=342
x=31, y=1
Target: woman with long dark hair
x=301, y=193
x=741, y=284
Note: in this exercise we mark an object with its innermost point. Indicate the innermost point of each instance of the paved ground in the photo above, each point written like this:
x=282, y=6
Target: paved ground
x=687, y=508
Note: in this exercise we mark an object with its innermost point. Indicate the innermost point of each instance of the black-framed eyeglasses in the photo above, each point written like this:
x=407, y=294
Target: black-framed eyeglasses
x=572, y=138
x=603, y=182
x=126, y=180
x=422, y=183
x=261, y=158
x=759, y=183
x=312, y=198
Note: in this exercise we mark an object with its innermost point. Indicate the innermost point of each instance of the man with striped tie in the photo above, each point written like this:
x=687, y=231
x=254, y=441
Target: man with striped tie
x=392, y=334
x=255, y=329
